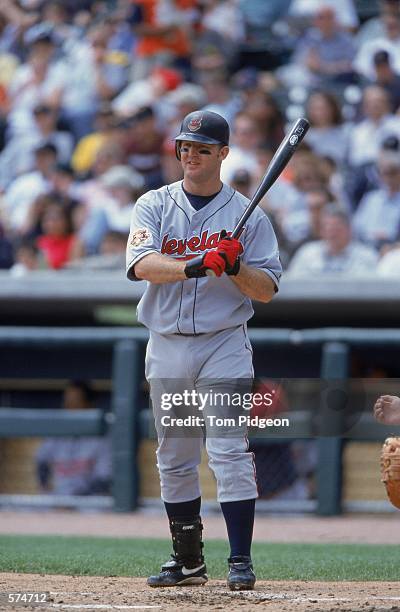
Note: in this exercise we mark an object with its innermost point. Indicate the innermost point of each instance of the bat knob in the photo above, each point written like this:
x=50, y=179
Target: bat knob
x=210, y=273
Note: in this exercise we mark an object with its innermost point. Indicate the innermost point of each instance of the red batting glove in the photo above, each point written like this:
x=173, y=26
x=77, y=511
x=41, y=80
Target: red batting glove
x=231, y=248
x=213, y=261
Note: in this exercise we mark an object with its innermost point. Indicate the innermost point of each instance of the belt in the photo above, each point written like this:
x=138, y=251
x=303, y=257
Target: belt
x=205, y=333
x=190, y=335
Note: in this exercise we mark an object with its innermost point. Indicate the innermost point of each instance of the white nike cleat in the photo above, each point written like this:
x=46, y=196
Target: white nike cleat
x=175, y=573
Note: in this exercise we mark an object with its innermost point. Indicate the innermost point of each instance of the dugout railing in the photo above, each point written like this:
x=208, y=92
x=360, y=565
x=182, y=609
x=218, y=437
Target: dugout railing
x=128, y=425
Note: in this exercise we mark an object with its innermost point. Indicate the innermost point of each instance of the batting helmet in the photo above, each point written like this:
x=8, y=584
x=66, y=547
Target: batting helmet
x=203, y=126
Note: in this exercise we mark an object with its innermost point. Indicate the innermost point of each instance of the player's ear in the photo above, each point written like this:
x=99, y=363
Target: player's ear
x=223, y=152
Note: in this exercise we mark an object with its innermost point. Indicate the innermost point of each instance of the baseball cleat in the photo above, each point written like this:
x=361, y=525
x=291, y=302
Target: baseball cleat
x=175, y=573
x=241, y=576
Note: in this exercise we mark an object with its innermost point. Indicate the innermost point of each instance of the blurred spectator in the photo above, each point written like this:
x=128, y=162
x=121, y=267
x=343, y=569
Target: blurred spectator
x=305, y=225
x=27, y=259
x=324, y=55
x=219, y=33
x=241, y=181
x=146, y=92
x=35, y=82
x=23, y=190
x=390, y=42
x=387, y=78
x=163, y=29
x=225, y=18
x=264, y=110
x=18, y=155
x=361, y=179
x=346, y=13
x=90, y=217
x=375, y=27
x=220, y=98
x=303, y=174
x=89, y=75
x=389, y=264
x=111, y=254
x=259, y=15
x=265, y=46
x=32, y=227
x=124, y=185
x=122, y=38
x=6, y=251
x=55, y=13
x=8, y=66
x=377, y=218
x=63, y=183
x=10, y=37
x=75, y=465
x=87, y=147
x=113, y=243
x=242, y=155
x=209, y=56
x=186, y=98
x=328, y=135
x=367, y=136
x=17, y=20
x=108, y=155
x=335, y=253
x=334, y=180
x=58, y=242
x=144, y=146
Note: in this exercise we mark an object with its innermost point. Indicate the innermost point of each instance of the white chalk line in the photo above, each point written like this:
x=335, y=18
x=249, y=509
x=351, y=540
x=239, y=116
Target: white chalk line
x=102, y=607
x=253, y=595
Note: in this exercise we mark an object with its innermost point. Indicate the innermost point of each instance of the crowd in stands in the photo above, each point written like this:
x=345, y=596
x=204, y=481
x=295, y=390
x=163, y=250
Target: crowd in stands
x=92, y=93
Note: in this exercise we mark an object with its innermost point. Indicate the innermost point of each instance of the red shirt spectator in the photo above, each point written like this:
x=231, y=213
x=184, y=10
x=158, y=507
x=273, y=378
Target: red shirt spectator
x=58, y=243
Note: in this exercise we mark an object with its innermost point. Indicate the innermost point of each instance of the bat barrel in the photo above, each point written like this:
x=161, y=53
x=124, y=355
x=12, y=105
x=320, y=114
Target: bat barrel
x=282, y=156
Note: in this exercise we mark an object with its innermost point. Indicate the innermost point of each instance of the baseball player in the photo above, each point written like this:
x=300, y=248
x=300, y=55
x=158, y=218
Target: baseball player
x=198, y=333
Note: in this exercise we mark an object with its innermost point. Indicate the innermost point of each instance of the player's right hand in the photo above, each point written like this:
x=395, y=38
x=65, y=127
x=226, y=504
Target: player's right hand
x=215, y=262
x=212, y=260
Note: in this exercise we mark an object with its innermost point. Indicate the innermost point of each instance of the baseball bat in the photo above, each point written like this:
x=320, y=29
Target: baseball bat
x=279, y=161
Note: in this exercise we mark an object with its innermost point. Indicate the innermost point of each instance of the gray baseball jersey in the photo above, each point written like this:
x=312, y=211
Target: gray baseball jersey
x=163, y=221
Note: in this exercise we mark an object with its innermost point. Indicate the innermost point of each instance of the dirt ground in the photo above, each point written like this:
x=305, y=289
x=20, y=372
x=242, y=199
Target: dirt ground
x=90, y=593
x=114, y=593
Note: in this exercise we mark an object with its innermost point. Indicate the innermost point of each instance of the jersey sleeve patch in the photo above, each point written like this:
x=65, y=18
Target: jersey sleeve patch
x=140, y=236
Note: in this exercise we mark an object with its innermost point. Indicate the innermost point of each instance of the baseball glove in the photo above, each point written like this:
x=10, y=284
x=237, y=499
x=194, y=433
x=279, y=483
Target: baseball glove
x=390, y=469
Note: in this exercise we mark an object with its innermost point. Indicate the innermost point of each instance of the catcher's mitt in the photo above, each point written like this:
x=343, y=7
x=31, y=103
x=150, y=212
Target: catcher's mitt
x=390, y=469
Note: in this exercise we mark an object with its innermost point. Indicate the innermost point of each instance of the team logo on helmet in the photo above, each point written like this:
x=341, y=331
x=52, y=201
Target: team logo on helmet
x=195, y=123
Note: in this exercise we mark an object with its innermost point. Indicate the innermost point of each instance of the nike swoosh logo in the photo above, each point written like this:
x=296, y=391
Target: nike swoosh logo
x=188, y=572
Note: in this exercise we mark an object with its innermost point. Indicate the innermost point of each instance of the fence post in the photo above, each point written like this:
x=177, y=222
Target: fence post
x=334, y=367
x=124, y=430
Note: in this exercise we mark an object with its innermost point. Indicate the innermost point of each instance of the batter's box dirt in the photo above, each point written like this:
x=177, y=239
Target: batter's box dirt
x=74, y=593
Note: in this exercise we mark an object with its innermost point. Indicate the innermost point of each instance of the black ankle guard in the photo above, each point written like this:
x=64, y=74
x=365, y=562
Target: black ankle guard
x=187, y=541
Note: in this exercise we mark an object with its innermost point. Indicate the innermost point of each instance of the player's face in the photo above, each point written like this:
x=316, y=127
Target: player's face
x=201, y=161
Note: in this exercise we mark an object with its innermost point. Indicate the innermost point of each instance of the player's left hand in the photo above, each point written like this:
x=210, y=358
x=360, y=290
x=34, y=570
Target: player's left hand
x=230, y=249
